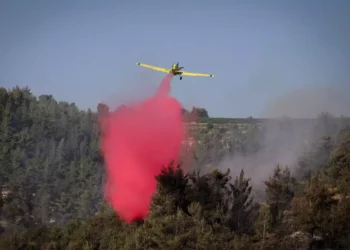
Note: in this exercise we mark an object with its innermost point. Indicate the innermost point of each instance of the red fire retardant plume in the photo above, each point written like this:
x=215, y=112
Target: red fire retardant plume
x=137, y=141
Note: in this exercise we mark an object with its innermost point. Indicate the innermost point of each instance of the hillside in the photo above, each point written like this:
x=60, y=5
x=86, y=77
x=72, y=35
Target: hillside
x=52, y=176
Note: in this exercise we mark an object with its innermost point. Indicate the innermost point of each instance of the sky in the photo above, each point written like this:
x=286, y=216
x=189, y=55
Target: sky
x=86, y=51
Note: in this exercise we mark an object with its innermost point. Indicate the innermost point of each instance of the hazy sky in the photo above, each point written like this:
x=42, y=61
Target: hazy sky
x=86, y=51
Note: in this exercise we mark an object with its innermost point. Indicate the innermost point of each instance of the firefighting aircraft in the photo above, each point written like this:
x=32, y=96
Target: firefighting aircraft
x=174, y=70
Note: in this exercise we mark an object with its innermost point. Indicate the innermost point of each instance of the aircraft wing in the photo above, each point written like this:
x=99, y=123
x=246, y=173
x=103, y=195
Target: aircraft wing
x=165, y=70
x=184, y=73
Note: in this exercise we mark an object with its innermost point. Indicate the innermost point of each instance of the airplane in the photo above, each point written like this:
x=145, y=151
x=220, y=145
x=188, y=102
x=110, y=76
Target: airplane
x=174, y=70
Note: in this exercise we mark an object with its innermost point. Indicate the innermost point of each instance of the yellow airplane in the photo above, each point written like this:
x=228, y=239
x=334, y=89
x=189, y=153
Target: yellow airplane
x=175, y=70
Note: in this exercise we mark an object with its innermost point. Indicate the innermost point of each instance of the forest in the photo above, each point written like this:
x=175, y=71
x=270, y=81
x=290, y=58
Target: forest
x=245, y=184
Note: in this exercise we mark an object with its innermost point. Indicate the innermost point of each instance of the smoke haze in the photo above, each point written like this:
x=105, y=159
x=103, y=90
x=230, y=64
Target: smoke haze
x=285, y=140
x=310, y=101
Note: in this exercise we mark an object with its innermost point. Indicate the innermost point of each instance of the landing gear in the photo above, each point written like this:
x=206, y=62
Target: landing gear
x=180, y=77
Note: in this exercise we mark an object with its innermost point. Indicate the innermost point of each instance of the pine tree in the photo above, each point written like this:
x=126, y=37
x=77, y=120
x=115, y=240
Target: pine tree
x=280, y=191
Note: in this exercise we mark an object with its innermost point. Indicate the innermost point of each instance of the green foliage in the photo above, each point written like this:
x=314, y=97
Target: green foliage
x=280, y=192
x=339, y=162
x=321, y=212
x=50, y=171
x=195, y=114
x=51, y=176
x=199, y=112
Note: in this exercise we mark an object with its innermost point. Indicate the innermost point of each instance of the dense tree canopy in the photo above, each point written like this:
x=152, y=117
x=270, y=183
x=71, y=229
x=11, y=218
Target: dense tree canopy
x=52, y=174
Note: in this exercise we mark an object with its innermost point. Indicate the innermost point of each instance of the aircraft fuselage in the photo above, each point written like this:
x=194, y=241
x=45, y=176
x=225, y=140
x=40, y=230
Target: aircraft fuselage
x=176, y=72
x=175, y=69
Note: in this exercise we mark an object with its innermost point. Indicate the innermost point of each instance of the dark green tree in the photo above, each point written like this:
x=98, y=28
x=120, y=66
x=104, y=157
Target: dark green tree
x=280, y=192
